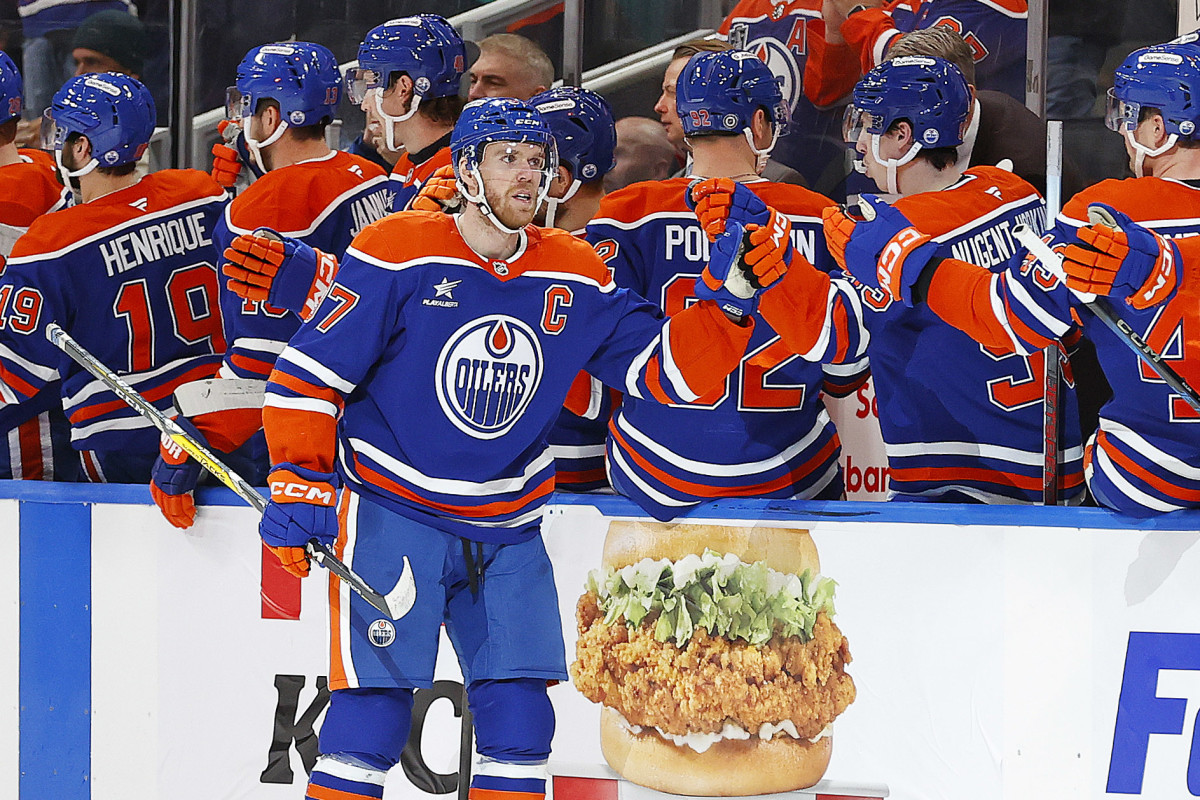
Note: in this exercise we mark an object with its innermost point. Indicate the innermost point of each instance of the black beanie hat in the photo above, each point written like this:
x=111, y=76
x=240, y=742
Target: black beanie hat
x=116, y=34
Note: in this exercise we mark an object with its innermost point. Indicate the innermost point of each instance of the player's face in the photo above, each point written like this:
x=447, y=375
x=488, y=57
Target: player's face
x=496, y=74
x=512, y=173
x=665, y=107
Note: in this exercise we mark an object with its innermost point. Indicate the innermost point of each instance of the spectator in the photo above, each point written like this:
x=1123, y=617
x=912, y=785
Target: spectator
x=644, y=153
x=49, y=27
x=665, y=108
x=111, y=41
x=509, y=65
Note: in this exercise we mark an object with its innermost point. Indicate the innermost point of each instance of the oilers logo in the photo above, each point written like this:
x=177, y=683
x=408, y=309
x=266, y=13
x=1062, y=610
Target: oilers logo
x=487, y=373
x=783, y=65
x=381, y=633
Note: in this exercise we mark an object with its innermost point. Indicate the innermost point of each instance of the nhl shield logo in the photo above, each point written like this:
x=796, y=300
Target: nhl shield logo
x=381, y=633
x=487, y=372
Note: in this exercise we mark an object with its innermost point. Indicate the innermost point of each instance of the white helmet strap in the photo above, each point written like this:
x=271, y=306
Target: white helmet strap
x=893, y=164
x=255, y=146
x=68, y=174
x=1141, y=151
x=389, y=131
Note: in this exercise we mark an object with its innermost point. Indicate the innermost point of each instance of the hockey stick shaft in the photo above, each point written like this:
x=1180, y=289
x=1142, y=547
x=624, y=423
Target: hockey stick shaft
x=1051, y=368
x=205, y=457
x=1103, y=311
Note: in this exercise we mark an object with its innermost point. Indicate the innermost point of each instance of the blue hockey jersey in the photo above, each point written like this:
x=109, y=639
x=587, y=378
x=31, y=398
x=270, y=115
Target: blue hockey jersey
x=324, y=202
x=1145, y=457
x=960, y=419
x=132, y=277
x=442, y=371
x=765, y=431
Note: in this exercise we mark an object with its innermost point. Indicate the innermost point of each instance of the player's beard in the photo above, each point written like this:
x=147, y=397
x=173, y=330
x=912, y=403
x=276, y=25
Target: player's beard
x=508, y=211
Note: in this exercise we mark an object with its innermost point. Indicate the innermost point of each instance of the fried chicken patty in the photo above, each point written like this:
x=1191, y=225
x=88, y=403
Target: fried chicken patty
x=713, y=680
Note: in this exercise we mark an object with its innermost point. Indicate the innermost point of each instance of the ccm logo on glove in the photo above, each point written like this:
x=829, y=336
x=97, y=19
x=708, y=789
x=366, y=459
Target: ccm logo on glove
x=303, y=491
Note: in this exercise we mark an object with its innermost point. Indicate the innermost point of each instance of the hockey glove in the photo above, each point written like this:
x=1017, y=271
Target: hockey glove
x=1118, y=257
x=883, y=249
x=719, y=199
x=303, y=506
x=768, y=250
x=725, y=279
x=174, y=477
x=283, y=272
x=227, y=163
x=439, y=193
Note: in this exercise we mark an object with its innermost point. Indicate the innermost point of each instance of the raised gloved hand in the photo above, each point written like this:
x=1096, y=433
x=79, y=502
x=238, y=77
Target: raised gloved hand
x=439, y=193
x=719, y=199
x=282, y=271
x=1120, y=258
x=768, y=250
x=174, y=477
x=303, y=506
x=226, y=160
x=882, y=250
x=724, y=279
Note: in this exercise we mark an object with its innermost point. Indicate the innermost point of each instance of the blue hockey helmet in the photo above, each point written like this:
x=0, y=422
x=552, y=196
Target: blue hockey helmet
x=498, y=120
x=584, y=132
x=1165, y=77
x=718, y=92
x=12, y=96
x=114, y=111
x=929, y=92
x=425, y=47
x=303, y=78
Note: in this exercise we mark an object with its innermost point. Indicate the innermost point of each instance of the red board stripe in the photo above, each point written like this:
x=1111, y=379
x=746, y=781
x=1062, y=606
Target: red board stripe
x=570, y=788
x=280, y=589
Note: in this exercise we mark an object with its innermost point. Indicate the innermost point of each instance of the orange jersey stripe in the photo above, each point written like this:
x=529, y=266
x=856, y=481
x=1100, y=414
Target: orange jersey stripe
x=749, y=490
x=483, y=511
x=255, y=366
x=1137, y=470
x=337, y=668
x=86, y=413
x=325, y=793
x=16, y=383
x=307, y=389
x=29, y=437
x=477, y=793
x=952, y=474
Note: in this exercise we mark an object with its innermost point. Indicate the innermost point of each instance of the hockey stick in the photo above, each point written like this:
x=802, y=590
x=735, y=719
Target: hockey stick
x=1100, y=307
x=1051, y=367
x=396, y=603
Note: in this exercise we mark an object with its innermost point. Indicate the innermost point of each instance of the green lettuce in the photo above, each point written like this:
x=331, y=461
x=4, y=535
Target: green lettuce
x=717, y=592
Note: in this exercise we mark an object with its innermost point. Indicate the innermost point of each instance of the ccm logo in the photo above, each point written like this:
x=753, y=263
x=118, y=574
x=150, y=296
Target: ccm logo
x=1142, y=712
x=894, y=253
x=303, y=491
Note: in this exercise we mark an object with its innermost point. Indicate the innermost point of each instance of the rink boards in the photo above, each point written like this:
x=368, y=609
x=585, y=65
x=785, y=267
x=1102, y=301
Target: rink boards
x=998, y=653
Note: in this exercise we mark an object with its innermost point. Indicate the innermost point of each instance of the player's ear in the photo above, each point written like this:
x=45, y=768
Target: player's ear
x=760, y=126
x=467, y=178
x=82, y=150
x=1158, y=128
x=562, y=180
x=903, y=133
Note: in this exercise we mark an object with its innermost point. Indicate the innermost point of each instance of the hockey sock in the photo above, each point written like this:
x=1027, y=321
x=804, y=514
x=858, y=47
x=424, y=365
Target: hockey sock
x=514, y=723
x=362, y=737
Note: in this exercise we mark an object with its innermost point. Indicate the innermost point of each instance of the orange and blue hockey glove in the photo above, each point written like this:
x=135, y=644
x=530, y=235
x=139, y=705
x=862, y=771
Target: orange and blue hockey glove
x=279, y=270
x=717, y=200
x=768, y=250
x=438, y=193
x=227, y=159
x=883, y=250
x=1120, y=258
x=174, y=476
x=303, y=506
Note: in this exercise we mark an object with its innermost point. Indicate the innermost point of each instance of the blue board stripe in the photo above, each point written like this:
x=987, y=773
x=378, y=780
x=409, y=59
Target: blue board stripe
x=56, y=651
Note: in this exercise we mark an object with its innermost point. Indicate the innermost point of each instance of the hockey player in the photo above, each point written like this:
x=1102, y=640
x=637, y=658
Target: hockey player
x=130, y=273
x=409, y=71
x=960, y=421
x=35, y=437
x=765, y=433
x=286, y=95
x=472, y=326
x=1144, y=457
x=785, y=35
